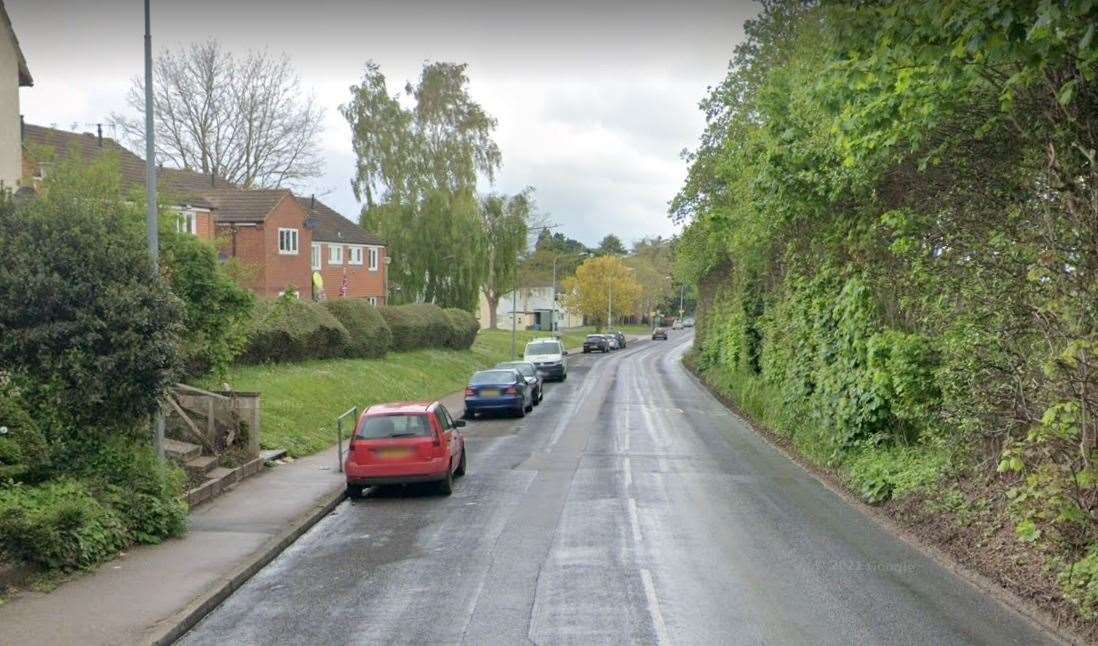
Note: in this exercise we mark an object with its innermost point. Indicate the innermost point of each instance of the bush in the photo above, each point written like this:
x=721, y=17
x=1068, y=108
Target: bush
x=59, y=525
x=463, y=328
x=215, y=308
x=24, y=454
x=84, y=320
x=145, y=492
x=370, y=335
x=416, y=326
x=288, y=329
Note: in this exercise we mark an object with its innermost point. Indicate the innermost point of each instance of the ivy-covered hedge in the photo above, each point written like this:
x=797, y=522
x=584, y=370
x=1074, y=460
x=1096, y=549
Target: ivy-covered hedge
x=370, y=335
x=290, y=329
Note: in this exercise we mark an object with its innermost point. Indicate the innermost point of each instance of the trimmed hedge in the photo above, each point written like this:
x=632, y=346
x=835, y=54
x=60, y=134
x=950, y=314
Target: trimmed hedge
x=463, y=328
x=289, y=329
x=417, y=326
x=370, y=335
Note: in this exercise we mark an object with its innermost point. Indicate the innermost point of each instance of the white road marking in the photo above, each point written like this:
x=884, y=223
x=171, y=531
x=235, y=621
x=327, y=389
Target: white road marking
x=627, y=471
x=662, y=636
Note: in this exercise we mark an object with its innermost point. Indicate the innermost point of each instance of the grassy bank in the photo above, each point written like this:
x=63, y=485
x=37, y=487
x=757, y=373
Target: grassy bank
x=302, y=400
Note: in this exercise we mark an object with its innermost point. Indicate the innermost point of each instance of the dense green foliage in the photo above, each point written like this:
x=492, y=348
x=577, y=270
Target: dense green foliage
x=369, y=333
x=215, y=308
x=416, y=172
x=290, y=329
x=505, y=223
x=24, y=453
x=893, y=223
x=463, y=328
x=87, y=329
x=417, y=326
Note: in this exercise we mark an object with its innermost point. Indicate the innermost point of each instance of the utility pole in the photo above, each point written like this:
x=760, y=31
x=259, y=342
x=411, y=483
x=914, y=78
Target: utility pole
x=553, y=303
x=152, y=220
x=682, y=295
x=514, y=311
x=609, y=301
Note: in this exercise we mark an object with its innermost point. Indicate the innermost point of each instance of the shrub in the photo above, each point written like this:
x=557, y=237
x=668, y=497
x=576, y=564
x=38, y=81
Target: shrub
x=84, y=319
x=59, y=525
x=370, y=335
x=463, y=328
x=215, y=308
x=1079, y=581
x=24, y=454
x=145, y=492
x=289, y=329
x=416, y=326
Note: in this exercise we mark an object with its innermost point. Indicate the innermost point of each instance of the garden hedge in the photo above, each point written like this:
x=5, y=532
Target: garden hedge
x=417, y=326
x=370, y=335
x=463, y=328
x=289, y=329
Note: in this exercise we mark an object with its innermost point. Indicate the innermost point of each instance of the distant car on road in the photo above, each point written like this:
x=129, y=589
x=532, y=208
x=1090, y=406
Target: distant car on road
x=659, y=333
x=620, y=336
x=548, y=354
x=499, y=389
x=688, y=322
x=677, y=325
x=403, y=443
x=533, y=379
x=596, y=343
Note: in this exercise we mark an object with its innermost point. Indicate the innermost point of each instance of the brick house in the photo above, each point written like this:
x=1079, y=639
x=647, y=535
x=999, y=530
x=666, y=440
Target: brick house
x=351, y=261
x=276, y=236
x=14, y=74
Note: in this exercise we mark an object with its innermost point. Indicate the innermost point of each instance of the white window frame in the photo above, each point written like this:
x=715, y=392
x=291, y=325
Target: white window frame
x=374, y=254
x=288, y=236
x=373, y=300
x=316, y=257
x=187, y=222
x=335, y=254
x=355, y=255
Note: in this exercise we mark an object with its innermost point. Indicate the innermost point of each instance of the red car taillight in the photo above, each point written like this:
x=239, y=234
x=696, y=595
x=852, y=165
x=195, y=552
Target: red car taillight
x=469, y=392
x=511, y=390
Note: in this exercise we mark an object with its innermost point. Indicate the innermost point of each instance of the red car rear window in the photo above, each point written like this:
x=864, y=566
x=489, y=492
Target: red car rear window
x=381, y=426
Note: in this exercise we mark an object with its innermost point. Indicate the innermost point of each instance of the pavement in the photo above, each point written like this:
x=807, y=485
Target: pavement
x=629, y=507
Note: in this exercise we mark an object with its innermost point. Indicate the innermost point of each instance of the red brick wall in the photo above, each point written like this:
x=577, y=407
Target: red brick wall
x=204, y=225
x=361, y=282
x=256, y=247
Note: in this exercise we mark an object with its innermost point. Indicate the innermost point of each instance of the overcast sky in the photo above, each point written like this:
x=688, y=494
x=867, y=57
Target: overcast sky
x=595, y=100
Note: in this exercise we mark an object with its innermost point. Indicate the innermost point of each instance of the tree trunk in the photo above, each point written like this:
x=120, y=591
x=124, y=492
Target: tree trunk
x=493, y=303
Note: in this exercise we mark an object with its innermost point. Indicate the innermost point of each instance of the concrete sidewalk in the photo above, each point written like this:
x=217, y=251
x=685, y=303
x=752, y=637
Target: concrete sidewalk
x=142, y=596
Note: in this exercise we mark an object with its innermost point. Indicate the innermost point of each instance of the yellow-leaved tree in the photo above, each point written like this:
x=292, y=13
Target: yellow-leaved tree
x=602, y=286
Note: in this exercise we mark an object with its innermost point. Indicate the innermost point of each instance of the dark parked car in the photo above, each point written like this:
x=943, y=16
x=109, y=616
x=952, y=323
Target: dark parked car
x=596, y=343
x=503, y=389
x=533, y=378
x=620, y=336
x=659, y=333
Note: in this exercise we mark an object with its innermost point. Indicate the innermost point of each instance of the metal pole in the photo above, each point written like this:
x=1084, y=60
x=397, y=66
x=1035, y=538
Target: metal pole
x=553, y=303
x=682, y=295
x=609, y=301
x=514, y=311
x=152, y=220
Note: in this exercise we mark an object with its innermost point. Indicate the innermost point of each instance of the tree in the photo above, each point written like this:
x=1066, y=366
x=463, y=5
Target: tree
x=505, y=223
x=652, y=262
x=416, y=170
x=599, y=284
x=552, y=249
x=89, y=332
x=242, y=120
x=611, y=245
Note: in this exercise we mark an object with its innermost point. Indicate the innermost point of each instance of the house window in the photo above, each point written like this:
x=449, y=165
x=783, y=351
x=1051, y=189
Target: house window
x=187, y=222
x=315, y=259
x=373, y=255
x=356, y=256
x=373, y=300
x=287, y=242
x=335, y=254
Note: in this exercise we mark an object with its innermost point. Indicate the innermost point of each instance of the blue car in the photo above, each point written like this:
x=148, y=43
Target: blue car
x=502, y=389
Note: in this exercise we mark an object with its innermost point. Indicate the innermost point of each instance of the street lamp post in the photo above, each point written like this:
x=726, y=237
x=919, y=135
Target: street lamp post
x=152, y=221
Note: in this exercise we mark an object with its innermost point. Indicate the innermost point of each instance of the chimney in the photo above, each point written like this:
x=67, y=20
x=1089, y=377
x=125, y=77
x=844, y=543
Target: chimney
x=213, y=179
x=312, y=202
x=99, y=133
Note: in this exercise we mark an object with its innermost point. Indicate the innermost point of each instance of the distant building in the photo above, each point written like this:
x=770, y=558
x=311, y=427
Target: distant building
x=534, y=307
x=283, y=240
x=14, y=74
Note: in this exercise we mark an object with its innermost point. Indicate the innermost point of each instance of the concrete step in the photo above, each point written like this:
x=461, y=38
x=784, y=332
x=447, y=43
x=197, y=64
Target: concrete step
x=201, y=464
x=270, y=455
x=181, y=451
x=222, y=479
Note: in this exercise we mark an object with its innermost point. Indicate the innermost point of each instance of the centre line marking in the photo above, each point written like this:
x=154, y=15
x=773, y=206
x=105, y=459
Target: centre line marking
x=662, y=636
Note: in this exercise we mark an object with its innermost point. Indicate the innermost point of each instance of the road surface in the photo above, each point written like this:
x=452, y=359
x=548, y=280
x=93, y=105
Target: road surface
x=630, y=507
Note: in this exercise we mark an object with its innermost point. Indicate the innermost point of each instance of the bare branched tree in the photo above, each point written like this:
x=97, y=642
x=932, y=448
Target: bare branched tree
x=244, y=120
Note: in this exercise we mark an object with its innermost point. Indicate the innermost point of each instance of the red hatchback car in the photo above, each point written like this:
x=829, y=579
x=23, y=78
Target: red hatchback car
x=403, y=443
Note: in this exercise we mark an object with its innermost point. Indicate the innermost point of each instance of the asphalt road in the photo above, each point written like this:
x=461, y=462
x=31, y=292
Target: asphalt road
x=630, y=507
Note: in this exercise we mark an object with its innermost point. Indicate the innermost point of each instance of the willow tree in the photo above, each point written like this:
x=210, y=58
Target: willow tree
x=505, y=224
x=416, y=172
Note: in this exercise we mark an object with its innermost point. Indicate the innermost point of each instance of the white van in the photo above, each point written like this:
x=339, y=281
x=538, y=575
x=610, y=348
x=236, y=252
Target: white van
x=548, y=355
